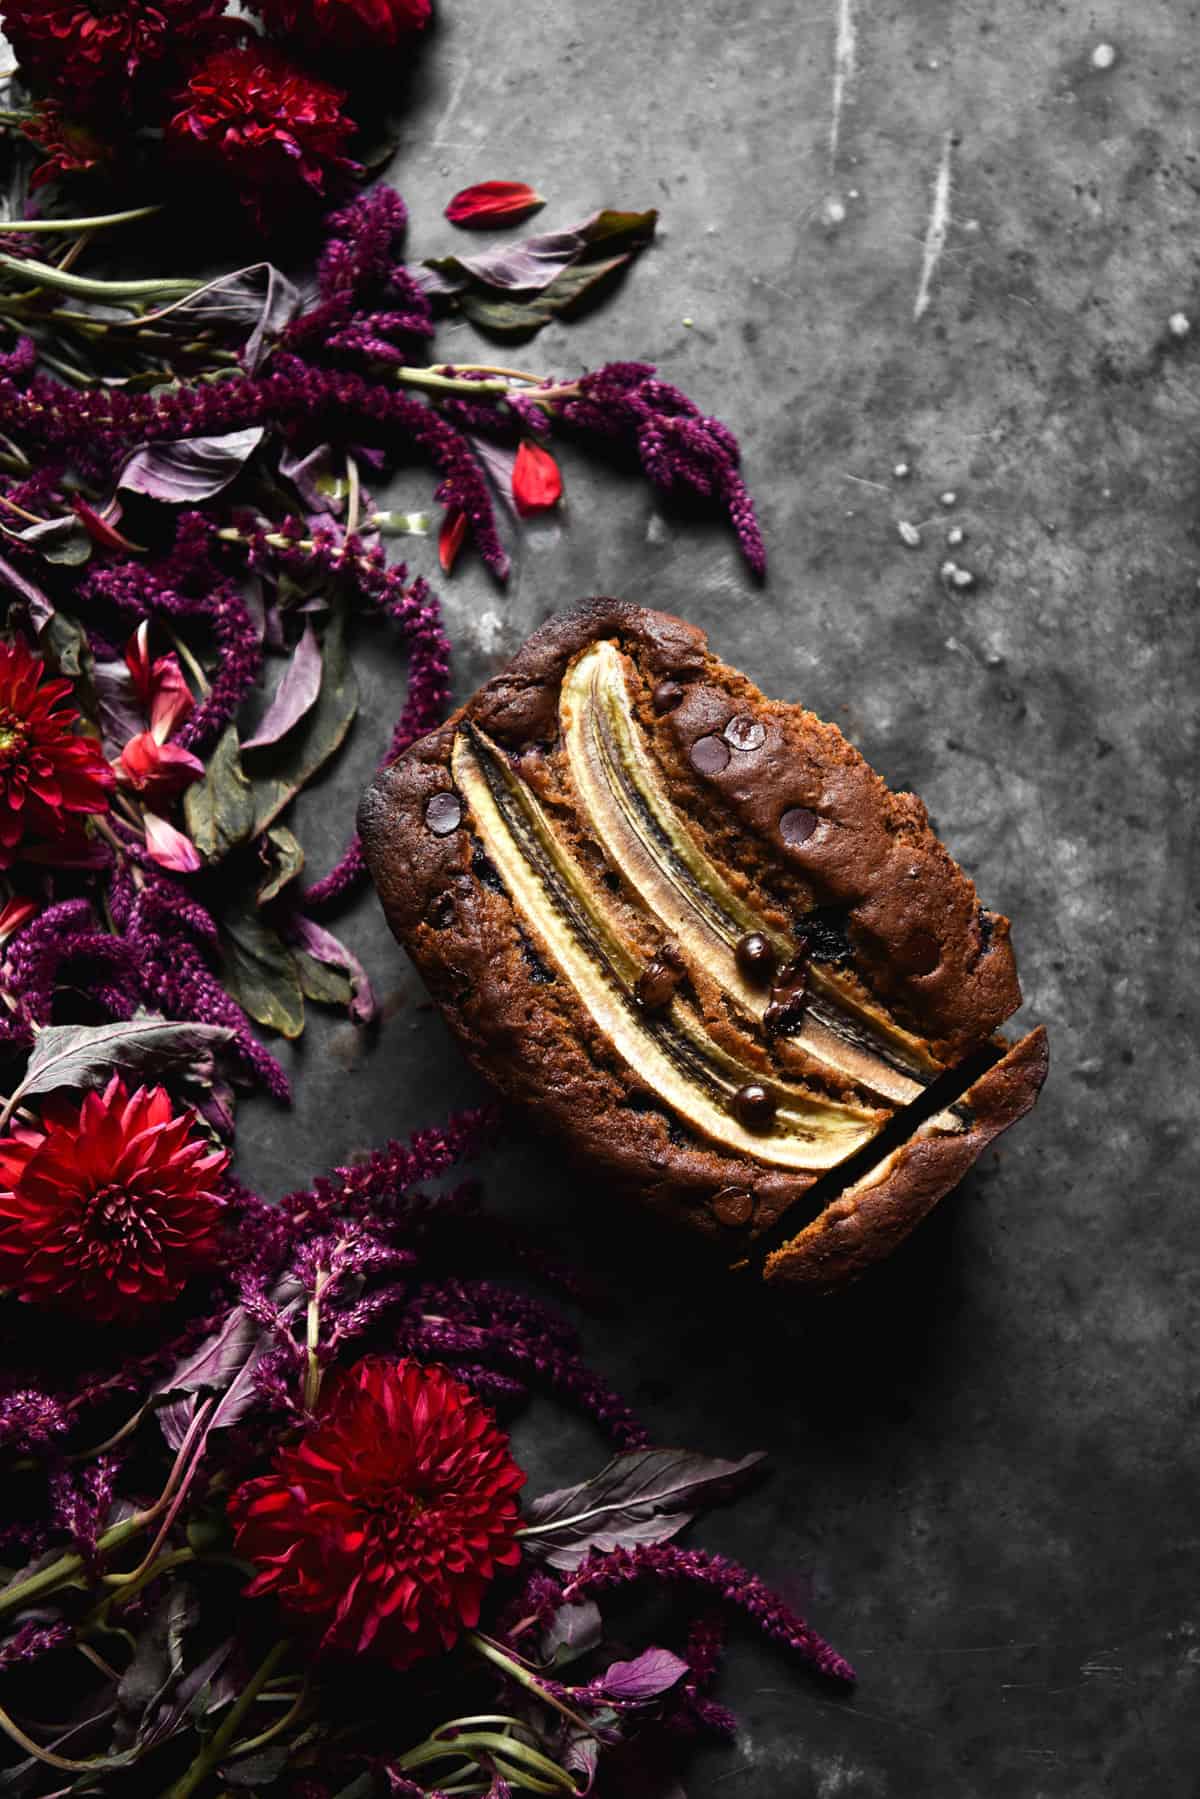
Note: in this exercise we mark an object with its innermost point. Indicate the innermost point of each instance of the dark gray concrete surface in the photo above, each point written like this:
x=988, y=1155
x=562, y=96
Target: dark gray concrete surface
x=985, y=1458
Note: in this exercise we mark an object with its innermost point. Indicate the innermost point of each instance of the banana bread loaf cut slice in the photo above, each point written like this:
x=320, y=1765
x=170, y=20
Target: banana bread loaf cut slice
x=697, y=935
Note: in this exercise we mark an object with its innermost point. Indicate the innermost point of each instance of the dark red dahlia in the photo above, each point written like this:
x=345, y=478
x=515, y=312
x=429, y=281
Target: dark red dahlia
x=386, y=1524
x=273, y=129
x=71, y=146
x=49, y=775
x=107, y=1205
x=346, y=24
x=88, y=52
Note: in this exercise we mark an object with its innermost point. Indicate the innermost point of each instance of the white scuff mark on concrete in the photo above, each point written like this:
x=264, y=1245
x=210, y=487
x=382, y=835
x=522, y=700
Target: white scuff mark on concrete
x=488, y=632
x=845, y=61
x=437, y=142
x=937, y=229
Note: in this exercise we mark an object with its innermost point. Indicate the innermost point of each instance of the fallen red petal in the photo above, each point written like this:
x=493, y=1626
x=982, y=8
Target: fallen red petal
x=493, y=203
x=536, y=480
x=450, y=538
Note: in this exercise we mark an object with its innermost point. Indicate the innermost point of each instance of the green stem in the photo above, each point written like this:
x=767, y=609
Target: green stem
x=312, y=1371
x=524, y=1677
x=44, y=274
x=218, y=1744
x=249, y=1745
x=98, y=223
x=432, y=382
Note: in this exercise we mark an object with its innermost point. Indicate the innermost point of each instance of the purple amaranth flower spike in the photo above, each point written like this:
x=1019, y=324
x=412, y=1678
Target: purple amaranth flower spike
x=33, y=1640
x=369, y=299
x=80, y=1502
x=30, y=1420
x=668, y=1563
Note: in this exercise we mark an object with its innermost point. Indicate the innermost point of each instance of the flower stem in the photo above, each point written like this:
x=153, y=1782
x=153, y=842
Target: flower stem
x=21, y=226
x=525, y=1677
x=218, y=1744
x=44, y=274
x=431, y=380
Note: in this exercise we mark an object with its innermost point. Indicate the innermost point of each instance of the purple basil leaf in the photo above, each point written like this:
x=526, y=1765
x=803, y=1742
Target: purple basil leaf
x=249, y=305
x=174, y=1419
x=189, y=469
x=536, y=261
x=499, y=460
x=649, y=1674
x=213, y=1364
x=39, y=606
x=312, y=477
x=82, y=1055
x=641, y=1496
x=571, y=1632
x=295, y=695
x=332, y=951
x=121, y=715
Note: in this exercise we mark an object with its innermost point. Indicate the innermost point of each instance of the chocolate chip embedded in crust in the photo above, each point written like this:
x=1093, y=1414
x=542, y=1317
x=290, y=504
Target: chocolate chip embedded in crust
x=666, y=696
x=745, y=733
x=797, y=825
x=789, y=993
x=732, y=1206
x=710, y=755
x=443, y=813
x=755, y=1106
x=755, y=958
x=920, y=953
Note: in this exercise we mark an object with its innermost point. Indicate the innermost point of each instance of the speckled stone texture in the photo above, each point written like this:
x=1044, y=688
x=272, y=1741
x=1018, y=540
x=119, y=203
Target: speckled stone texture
x=984, y=1483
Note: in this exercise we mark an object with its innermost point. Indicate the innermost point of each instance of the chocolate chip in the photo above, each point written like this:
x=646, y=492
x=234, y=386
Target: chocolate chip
x=443, y=813
x=656, y=985
x=920, y=953
x=666, y=696
x=745, y=734
x=788, y=996
x=797, y=825
x=755, y=1106
x=732, y=1206
x=710, y=755
x=755, y=958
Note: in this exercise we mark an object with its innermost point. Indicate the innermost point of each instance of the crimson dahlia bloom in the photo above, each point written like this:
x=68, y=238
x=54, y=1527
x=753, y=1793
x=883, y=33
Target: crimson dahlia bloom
x=274, y=129
x=90, y=51
x=109, y=1204
x=50, y=776
x=386, y=1524
x=346, y=24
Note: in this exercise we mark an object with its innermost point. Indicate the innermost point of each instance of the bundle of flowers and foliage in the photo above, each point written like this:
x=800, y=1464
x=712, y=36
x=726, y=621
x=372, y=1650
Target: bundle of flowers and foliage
x=262, y=1528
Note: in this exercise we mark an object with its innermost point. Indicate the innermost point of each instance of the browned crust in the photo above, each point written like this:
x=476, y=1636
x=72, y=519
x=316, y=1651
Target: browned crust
x=869, y=1220
x=535, y=1041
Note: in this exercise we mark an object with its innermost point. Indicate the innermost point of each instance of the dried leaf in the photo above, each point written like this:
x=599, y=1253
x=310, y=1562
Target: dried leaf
x=60, y=540
x=281, y=769
x=641, y=1496
x=317, y=944
x=191, y=469
x=261, y=974
x=284, y=859
x=520, y=287
x=254, y=303
x=78, y=1055
x=219, y=810
x=295, y=695
x=326, y=986
x=493, y=203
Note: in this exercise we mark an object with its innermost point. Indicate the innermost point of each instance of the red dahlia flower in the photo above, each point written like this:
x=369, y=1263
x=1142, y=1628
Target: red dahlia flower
x=71, y=147
x=387, y=1522
x=49, y=775
x=273, y=127
x=86, y=51
x=346, y=24
x=107, y=1205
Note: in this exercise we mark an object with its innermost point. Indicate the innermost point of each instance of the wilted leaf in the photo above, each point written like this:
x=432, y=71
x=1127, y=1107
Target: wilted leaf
x=261, y=974
x=520, y=287
x=80, y=1055
x=641, y=1496
x=38, y=605
x=316, y=944
x=296, y=693
x=284, y=859
x=327, y=986
x=63, y=644
x=280, y=770
x=190, y=469
x=219, y=810
x=60, y=540
x=212, y=1364
x=121, y=712
x=254, y=304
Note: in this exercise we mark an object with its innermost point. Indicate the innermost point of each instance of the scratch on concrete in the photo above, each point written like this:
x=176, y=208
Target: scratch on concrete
x=937, y=228
x=845, y=51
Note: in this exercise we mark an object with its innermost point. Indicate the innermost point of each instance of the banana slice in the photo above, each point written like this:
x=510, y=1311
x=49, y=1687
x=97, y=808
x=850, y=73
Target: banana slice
x=669, y=1050
x=632, y=817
